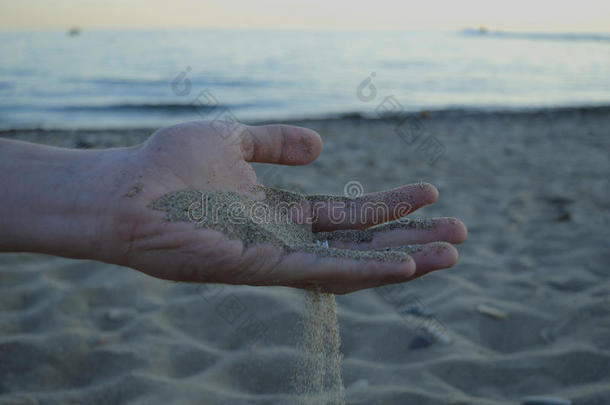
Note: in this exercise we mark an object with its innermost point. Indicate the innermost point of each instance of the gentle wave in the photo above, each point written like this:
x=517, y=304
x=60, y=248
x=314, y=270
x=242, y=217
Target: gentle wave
x=132, y=81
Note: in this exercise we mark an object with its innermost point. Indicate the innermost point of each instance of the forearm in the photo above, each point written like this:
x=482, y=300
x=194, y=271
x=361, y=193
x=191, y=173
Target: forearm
x=57, y=200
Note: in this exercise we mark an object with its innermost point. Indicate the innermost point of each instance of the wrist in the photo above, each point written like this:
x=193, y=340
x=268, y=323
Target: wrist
x=109, y=179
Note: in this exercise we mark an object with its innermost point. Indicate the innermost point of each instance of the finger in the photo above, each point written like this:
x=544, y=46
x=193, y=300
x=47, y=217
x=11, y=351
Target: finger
x=429, y=257
x=309, y=268
x=332, y=212
x=281, y=144
x=405, y=231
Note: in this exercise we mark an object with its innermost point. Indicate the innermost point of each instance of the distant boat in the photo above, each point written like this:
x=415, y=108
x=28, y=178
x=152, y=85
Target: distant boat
x=482, y=30
x=74, y=31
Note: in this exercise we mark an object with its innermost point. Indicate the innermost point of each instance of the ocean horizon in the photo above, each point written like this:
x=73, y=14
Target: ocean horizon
x=105, y=78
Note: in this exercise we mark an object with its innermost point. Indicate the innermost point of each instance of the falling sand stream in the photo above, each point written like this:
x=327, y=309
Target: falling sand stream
x=318, y=373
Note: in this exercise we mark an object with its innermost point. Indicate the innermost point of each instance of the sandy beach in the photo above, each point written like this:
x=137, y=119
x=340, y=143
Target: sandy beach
x=525, y=312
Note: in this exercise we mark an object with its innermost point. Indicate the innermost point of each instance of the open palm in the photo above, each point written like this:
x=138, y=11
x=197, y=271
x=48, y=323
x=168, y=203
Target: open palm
x=207, y=155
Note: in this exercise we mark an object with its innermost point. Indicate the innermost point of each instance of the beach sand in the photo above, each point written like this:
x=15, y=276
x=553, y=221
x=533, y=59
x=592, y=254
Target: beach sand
x=525, y=312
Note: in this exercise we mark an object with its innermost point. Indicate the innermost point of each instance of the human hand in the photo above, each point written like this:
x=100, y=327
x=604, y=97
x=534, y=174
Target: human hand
x=208, y=156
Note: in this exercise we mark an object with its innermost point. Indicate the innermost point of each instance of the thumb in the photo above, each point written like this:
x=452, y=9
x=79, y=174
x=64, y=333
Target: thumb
x=281, y=144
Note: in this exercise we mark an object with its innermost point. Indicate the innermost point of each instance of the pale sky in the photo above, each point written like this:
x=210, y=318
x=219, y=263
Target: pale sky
x=512, y=15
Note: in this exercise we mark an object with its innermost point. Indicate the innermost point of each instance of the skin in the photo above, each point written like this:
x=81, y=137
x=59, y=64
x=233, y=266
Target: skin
x=94, y=204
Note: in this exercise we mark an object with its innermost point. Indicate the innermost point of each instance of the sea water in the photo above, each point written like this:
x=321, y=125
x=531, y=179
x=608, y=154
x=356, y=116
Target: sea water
x=156, y=78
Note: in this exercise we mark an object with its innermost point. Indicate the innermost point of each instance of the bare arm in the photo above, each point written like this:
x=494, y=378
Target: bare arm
x=57, y=200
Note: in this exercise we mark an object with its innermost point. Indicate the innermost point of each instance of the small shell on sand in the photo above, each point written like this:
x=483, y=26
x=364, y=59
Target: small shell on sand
x=491, y=312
